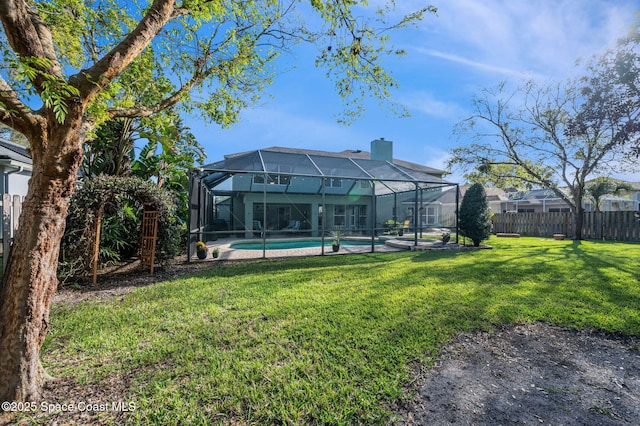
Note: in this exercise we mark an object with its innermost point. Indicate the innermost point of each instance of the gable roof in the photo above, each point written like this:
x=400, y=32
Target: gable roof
x=13, y=152
x=493, y=194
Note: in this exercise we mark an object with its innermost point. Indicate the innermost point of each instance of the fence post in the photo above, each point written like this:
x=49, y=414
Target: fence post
x=6, y=229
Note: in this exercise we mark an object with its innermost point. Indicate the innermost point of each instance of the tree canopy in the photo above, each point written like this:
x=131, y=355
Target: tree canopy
x=208, y=58
x=611, y=93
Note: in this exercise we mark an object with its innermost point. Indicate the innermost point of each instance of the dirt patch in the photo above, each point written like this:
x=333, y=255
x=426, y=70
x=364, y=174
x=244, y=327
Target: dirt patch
x=531, y=374
x=122, y=279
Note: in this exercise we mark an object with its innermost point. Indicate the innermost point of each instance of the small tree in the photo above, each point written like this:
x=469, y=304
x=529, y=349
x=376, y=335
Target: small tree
x=475, y=219
x=603, y=186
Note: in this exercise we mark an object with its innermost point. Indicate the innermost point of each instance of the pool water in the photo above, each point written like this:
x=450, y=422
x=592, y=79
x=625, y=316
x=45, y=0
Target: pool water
x=296, y=244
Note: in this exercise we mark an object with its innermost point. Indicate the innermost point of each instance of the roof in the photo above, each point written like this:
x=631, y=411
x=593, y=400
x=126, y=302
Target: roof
x=493, y=194
x=348, y=153
x=394, y=177
x=14, y=152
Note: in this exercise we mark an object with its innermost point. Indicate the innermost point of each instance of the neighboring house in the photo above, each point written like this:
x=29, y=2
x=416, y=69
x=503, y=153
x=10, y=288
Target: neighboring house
x=496, y=198
x=626, y=201
x=544, y=201
x=534, y=201
x=286, y=190
x=16, y=167
x=635, y=195
x=15, y=164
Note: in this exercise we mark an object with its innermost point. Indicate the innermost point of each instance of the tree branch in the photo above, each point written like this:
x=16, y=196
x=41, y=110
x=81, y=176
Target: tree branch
x=13, y=112
x=94, y=79
x=30, y=37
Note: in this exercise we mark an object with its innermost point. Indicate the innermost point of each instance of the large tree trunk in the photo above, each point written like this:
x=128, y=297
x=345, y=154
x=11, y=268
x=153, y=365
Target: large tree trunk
x=29, y=282
x=578, y=215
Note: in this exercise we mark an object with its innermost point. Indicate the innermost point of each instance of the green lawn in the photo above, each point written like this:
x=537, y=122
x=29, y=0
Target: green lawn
x=328, y=339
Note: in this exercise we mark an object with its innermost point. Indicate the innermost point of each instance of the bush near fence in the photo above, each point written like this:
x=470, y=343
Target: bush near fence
x=612, y=226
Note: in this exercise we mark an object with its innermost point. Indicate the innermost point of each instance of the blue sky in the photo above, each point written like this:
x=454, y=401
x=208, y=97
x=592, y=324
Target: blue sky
x=468, y=46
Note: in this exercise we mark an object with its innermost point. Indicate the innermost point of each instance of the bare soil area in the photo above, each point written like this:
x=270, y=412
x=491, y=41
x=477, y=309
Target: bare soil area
x=530, y=374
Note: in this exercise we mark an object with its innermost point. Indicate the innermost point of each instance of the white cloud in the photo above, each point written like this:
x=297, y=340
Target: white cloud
x=515, y=37
x=486, y=67
x=424, y=102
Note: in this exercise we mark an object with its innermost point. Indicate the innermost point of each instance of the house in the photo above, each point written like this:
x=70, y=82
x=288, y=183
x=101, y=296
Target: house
x=625, y=201
x=496, y=198
x=16, y=168
x=286, y=191
x=546, y=201
x=541, y=201
x=534, y=201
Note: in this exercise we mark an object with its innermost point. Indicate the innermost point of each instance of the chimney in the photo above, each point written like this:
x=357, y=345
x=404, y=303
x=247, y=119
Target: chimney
x=382, y=150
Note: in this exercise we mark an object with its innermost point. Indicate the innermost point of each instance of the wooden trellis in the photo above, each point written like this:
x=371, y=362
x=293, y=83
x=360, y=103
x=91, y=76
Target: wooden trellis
x=149, y=238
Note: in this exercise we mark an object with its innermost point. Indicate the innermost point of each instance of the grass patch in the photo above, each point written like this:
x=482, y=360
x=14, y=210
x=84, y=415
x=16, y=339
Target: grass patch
x=328, y=339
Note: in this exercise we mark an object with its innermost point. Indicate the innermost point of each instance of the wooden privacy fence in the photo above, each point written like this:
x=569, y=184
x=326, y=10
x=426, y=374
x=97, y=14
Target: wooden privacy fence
x=613, y=226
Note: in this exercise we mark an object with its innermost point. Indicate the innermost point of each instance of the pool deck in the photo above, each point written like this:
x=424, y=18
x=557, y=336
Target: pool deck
x=227, y=253
x=392, y=245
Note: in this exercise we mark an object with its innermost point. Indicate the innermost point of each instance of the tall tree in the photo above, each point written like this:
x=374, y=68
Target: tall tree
x=71, y=65
x=530, y=130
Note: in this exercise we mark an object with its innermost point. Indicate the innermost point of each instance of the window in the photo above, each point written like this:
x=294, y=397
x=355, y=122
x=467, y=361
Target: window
x=333, y=183
x=429, y=215
x=339, y=215
x=279, y=179
x=275, y=178
x=358, y=217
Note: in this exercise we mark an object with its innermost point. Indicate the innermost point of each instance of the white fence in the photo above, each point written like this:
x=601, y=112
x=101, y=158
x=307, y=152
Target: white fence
x=11, y=208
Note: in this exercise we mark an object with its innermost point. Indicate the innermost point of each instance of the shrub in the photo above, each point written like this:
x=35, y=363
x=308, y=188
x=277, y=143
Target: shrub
x=122, y=200
x=475, y=219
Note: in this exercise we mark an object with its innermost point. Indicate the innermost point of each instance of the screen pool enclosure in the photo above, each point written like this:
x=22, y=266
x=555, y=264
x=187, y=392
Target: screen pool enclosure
x=266, y=194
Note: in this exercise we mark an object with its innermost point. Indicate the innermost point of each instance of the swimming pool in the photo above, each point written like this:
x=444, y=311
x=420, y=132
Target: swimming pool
x=297, y=244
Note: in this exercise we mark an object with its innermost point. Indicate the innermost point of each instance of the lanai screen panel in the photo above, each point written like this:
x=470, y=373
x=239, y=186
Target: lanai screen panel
x=381, y=170
x=338, y=167
x=289, y=163
x=249, y=162
x=387, y=178
x=275, y=193
x=422, y=177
